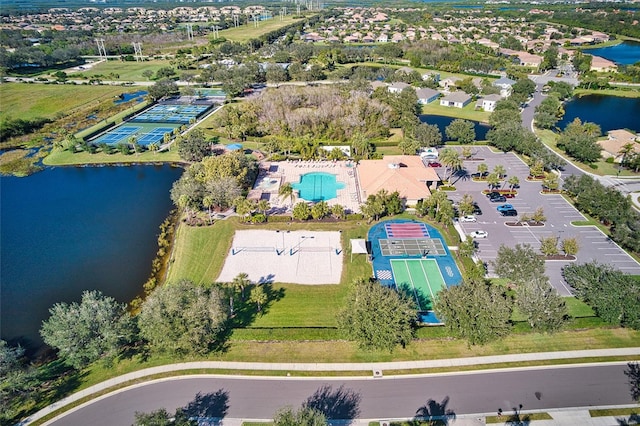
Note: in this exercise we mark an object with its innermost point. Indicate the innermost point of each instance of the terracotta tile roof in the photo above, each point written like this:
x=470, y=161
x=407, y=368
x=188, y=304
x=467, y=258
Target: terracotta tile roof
x=409, y=179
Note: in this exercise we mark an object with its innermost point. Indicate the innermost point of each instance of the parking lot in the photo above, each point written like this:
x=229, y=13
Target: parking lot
x=593, y=244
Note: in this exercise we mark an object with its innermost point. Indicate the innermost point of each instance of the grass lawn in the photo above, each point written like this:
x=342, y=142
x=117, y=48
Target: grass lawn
x=468, y=113
x=28, y=101
x=127, y=71
x=248, y=31
x=66, y=158
x=621, y=91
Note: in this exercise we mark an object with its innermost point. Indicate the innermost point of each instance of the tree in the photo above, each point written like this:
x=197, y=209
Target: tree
x=580, y=141
x=84, y=332
x=305, y=416
x=614, y=296
x=263, y=206
x=373, y=208
x=183, y=318
x=466, y=205
x=409, y=146
x=427, y=134
x=194, y=147
x=549, y=245
x=240, y=282
x=147, y=74
x=513, y=182
x=337, y=211
x=542, y=305
x=466, y=152
x=475, y=311
x=450, y=158
x=319, y=210
x=244, y=207
x=519, y=264
x=258, y=296
x=223, y=191
x=230, y=165
x=16, y=380
x=467, y=248
x=482, y=169
x=570, y=246
x=161, y=417
x=377, y=317
x=286, y=191
x=162, y=88
x=551, y=181
x=301, y=211
x=493, y=180
x=462, y=131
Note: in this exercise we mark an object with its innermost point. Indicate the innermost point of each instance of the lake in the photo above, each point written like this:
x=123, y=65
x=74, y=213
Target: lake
x=610, y=112
x=625, y=53
x=442, y=122
x=66, y=230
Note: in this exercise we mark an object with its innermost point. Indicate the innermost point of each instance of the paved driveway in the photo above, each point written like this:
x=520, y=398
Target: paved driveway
x=594, y=245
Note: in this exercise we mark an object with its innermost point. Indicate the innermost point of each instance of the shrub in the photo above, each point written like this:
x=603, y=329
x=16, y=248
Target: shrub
x=593, y=166
x=278, y=219
x=355, y=216
x=609, y=160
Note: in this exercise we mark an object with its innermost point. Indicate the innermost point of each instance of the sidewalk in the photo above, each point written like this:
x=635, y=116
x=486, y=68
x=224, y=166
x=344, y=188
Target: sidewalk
x=377, y=370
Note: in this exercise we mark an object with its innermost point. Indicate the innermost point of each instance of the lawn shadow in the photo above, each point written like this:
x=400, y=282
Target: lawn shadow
x=342, y=403
x=210, y=406
x=245, y=311
x=59, y=380
x=436, y=413
x=517, y=418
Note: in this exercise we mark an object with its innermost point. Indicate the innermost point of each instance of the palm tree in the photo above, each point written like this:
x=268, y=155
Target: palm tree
x=513, y=182
x=482, y=168
x=450, y=158
x=133, y=141
x=625, y=151
x=285, y=191
x=208, y=202
x=493, y=180
x=153, y=147
x=263, y=206
x=258, y=296
x=240, y=282
x=500, y=170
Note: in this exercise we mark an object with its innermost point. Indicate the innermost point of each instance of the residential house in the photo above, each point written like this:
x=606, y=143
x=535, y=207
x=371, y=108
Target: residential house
x=449, y=82
x=600, y=64
x=398, y=87
x=457, y=99
x=426, y=95
x=431, y=76
x=616, y=141
x=488, y=103
x=505, y=85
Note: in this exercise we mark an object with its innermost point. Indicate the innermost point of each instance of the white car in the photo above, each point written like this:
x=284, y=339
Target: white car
x=479, y=234
x=467, y=218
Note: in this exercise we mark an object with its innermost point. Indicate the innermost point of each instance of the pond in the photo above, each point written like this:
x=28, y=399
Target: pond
x=625, y=53
x=66, y=230
x=442, y=122
x=609, y=112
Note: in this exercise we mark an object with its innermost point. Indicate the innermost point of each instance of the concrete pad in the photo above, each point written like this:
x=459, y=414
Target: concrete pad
x=298, y=257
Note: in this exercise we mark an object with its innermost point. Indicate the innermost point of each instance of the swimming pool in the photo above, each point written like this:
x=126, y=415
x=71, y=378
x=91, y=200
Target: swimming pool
x=318, y=186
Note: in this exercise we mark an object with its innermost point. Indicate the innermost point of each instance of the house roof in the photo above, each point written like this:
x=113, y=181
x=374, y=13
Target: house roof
x=399, y=85
x=458, y=96
x=504, y=81
x=426, y=93
x=617, y=139
x=409, y=179
x=492, y=98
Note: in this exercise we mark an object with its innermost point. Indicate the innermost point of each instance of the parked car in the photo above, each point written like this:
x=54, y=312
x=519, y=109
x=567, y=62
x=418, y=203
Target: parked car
x=468, y=218
x=500, y=199
x=512, y=212
x=477, y=210
x=434, y=164
x=479, y=234
x=480, y=175
x=493, y=194
x=505, y=207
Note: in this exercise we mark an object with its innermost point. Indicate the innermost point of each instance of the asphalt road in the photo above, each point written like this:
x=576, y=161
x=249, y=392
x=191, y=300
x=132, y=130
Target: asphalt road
x=379, y=398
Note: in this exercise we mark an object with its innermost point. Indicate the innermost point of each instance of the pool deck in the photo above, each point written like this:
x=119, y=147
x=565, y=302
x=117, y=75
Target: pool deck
x=290, y=171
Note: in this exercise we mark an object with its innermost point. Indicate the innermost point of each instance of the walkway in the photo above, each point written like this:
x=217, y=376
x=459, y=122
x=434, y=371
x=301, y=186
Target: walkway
x=376, y=369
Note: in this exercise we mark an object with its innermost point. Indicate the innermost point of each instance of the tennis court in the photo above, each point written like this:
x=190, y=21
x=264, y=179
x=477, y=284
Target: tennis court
x=418, y=278
x=145, y=134
x=171, y=113
x=412, y=247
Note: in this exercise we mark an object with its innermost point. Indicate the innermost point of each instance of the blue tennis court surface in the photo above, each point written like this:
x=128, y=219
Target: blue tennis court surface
x=145, y=135
x=178, y=114
x=412, y=257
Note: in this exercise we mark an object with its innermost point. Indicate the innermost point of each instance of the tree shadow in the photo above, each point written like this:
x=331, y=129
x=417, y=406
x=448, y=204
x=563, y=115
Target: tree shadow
x=633, y=373
x=517, y=419
x=342, y=403
x=436, y=413
x=246, y=312
x=461, y=175
x=634, y=419
x=208, y=406
x=59, y=380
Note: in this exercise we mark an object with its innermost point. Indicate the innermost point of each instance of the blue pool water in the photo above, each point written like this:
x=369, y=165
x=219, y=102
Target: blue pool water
x=318, y=186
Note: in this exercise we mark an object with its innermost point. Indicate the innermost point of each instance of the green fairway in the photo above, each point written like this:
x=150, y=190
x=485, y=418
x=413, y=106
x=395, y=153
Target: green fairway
x=248, y=31
x=125, y=71
x=28, y=101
